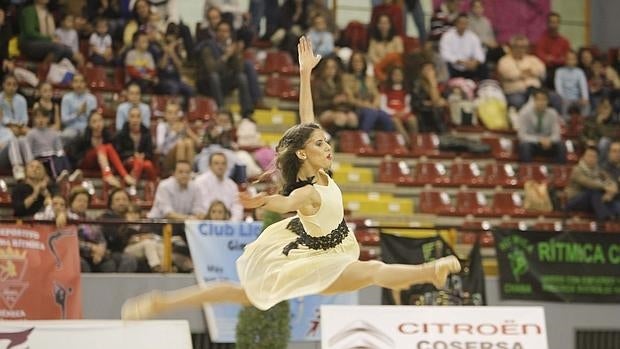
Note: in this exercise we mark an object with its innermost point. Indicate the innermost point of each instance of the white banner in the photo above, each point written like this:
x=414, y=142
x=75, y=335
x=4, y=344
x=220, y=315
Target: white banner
x=426, y=327
x=95, y=334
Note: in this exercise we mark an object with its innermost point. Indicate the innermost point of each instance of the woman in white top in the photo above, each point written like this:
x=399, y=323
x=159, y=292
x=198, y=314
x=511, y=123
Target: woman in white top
x=312, y=252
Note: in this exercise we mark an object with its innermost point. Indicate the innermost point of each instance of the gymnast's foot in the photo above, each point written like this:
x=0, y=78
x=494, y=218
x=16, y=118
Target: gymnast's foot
x=444, y=267
x=141, y=307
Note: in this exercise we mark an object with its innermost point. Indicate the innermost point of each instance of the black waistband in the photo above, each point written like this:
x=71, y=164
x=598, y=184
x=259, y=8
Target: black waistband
x=331, y=240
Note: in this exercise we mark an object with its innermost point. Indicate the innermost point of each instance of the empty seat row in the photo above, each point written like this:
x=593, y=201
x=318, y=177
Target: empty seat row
x=470, y=174
x=427, y=144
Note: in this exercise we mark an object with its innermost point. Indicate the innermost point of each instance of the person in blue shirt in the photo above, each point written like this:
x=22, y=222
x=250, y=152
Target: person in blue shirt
x=13, y=107
x=572, y=85
x=75, y=108
x=134, y=99
x=322, y=39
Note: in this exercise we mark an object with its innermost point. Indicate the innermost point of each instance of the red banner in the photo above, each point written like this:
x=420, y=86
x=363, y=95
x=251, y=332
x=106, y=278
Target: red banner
x=39, y=273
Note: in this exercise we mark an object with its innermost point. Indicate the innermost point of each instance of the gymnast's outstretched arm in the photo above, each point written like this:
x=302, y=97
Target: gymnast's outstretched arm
x=307, y=61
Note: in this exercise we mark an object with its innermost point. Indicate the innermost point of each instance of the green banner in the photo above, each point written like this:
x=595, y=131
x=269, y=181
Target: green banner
x=558, y=266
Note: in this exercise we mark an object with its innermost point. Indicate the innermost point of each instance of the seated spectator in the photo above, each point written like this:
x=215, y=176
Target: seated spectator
x=48, y=104
x=519, y=72
x=148, y=247
x=75, y=108
x=463, y=52
x=93, y=256
x=293, y=23
x=140, y=16
x=320, y=7
x=205, y=30
x=36, y=39
x=174, y=139
x=585, y=57
x=599, y=129
x=47, y=147
x=426, y=101
x=110, y=11
x=572, y=86
x=170, y=64
x=56, y=211
x=134, y=99
x=443, y=18
x=413, y=63
x=14, y=153
x=135, y=147
x=590, y=189
x=100, y=44
x=178, y=197
x=396, y=101
x=218, y=212
x=321, y=38
x=223, y=68
x=538, y=131
x=393, y=10
x=330, y=99
x=117, y=235
x=31, y=195
x=219, y=137
x=482, y=27
x=238, y=17
x=383, y=40
x=140, y=65
x=216, y=186
x=362, y=93
x=13, y=107
x=611, y=164
x=552, y=47
x=603, y=83
x=68, y=36
x=94, y=150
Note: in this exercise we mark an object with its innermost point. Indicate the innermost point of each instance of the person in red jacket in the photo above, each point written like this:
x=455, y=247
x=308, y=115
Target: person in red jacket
x=552, y=47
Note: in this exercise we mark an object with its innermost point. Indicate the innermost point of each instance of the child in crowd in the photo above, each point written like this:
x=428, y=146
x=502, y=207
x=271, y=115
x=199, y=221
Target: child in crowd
x=68, y=36
x=396, y=101
x=174, y=139
x=48, y=104
x=218, y=212
x=572, y=85
x=46, y=146
x=56, y=210
x=140, y=64
x=320, y=36
x=100, y=43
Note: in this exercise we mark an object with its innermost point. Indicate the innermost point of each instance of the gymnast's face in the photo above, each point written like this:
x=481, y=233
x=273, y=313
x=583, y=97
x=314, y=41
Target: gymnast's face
x=317, y=152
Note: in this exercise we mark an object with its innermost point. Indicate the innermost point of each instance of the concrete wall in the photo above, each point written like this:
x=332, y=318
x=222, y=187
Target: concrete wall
x=103, y=295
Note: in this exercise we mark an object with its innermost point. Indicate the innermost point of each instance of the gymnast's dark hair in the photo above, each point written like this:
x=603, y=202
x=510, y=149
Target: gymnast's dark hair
x=294, y=139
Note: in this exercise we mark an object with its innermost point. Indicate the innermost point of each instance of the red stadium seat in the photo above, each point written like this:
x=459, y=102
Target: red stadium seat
x=481, y=228
x=355, y=34
x=279, y=62
x=466, y=173
x=472, y=203
x=390, y=143
x=431, y=173
x=427, y=144
x=355, y=142
x=509, y=204
x=201, y=108
x=280, y=87
x=436, y=203
x=395, y=172
x=561, y=174
x=548, y=226
x=101, y=79
x=588, y=226
x=500, y=174
x=502, y=148
x=536, y=172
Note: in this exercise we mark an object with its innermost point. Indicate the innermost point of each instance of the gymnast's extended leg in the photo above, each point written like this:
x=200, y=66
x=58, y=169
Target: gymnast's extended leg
x=153, y=303
x=361, y=274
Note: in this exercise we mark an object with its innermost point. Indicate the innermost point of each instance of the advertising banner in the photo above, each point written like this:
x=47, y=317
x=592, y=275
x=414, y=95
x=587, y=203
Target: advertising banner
x=72, y=334
x=431, y=327
x=39, y=273
x=558, y=266
x=215, y=247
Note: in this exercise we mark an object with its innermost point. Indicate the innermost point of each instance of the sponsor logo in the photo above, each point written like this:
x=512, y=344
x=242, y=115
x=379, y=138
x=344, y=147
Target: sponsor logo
x=361, y=335
x=15, y=338
x=13, y=267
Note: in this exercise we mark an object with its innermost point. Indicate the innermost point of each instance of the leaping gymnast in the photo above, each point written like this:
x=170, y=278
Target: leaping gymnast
x=312, y=252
